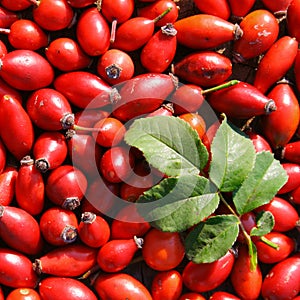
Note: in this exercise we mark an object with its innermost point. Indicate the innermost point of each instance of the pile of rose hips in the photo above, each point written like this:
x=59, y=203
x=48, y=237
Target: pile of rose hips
x=60, y=115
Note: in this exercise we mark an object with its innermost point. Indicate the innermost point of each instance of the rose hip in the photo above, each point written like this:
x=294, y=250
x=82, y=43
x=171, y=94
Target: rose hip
x=66, y=186
x=14, y=118
x=61, y=288
x=26, y=70
x=66, y=261
x=49, y=150
x=17, y=271
x=59, y=226
x=30, y=187
x=93, y=230
x=13, y=220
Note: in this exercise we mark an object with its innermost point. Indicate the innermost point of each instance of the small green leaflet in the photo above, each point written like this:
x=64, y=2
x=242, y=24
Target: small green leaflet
x=179, y=203
x=262, y=183
x=169, y=144
x=210, y=240
x=233, y=156
x=264, y=224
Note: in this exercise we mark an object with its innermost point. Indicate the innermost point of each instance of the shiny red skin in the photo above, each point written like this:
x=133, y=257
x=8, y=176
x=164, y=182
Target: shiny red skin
x=122, y=228
x=219, y=295
x=119, y=10
x=3, y=49
x=248, y=220
x=219, y=8
x=268, y=73
x=205, y=277
x=13, y=220
x=269, y=255
x=87, y=90
x=204, y=68
x=23, y=294
x=61, y=288
x=66, y=55
x=162, y=251
x=26, y=34
x=7, y=185
x=246, y=282
x=134, y=186
x=296, y=70
x=80, y=3
x=151, y=11
x=53, y=15
x=101, y=194
x=116, y=164
x=115, y=66
x=150, y=91
x=260, y=30
x=196, y=121
x=59, y=226
x=278, y=130
x=7, y=17
x=88, y=118
x=67, y=261
x=49, y=150
x=93, y=230
x=163, y=110
x=30, y=187
x=166, y=285
x=85, y=154
x=282, y=280
x=92, y=28
x=111, y=132
x=47, y=107
x=294, y=195
x=187, y=98
x=158, y=53
x=14, y=118
x=17, y=270
x=66, y=186
x=16, y=5
x=240, y=9
x=120, y=285
x=204, y=31
x=292, y=19
x=26, y=70
x=3, y=156
x=276, y=6
x=6, y=89
x=259, y=142
x=293, y=172
x=285, y=214
x=241, y=101
x=134, y=33
x=191, y=296
x=116, y=255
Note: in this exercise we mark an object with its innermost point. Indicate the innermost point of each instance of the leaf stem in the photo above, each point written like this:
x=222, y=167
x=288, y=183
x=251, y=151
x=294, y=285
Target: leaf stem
x=221, y=86
x=269, y=243
x=162, y=14
x=251, y=246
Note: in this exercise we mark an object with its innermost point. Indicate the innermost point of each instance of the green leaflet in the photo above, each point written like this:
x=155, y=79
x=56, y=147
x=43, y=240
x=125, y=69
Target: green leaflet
x=179, y=203
x=233, y=157
x=262, y=183
x=169, y=144
x=211, y=239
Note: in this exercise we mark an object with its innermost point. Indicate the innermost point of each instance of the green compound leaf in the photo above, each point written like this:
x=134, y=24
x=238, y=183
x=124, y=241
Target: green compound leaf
x=169, y=144
x=264, y=224
x=262, y=183
x=210, y=240
x=179, y=203
x=233, y=156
